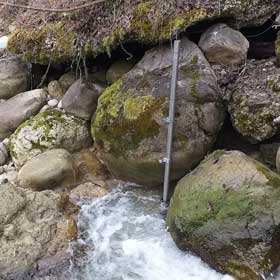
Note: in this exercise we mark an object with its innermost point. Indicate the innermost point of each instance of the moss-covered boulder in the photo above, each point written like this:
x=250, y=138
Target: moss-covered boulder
x=254, y=101
x=129, y=126
x=227, y=212
x=104, y=26
x=48, y=130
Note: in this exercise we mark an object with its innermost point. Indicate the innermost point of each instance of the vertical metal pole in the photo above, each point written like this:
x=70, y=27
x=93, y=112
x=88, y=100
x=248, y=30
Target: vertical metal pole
x=174, y=79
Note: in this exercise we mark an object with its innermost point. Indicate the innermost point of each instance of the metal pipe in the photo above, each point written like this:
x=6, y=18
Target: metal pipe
x=170, y=121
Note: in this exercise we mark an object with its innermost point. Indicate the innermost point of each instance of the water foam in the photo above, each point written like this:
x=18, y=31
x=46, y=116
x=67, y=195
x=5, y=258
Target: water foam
x=131, y=242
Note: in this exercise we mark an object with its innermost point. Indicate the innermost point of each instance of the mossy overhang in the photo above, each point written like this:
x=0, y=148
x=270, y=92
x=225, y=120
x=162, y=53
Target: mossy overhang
x=148, y=22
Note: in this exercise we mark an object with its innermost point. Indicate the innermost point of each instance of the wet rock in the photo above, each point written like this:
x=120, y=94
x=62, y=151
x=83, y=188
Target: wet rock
x=117, y=70
x=87, y=191
x=55, y=90
x=48, y=130
x=224, y=45
x=14, y=77
x=67, y=80
x=227, y=212
x=254, y=101
x=89, y=167
x=33, y=227
x=18, y=109
x=49, y=170
x=129, y=128
x=81, y=99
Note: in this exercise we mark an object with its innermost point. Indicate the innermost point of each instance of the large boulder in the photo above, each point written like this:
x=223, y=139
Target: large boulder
x=81, y=99
x=51, y=169
x=254, y=101
x=34, y=227
x=129, y=127
x=227, y=211
x=14, y=77
x=224, y=45
x=20, y=108
x=51, y=129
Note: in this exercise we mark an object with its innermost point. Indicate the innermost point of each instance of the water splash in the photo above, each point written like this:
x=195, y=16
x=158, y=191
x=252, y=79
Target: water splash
x=131, y=241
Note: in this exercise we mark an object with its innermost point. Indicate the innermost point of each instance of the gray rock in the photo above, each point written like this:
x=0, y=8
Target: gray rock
x=67, y=80
x=278, y=159
x=227, y=212
x=49, y=130
x=81, y=99
x=55, y=90
x=33, y=227
x=117, y=70
x=129, y=128
x=14, y=77
x=4, y=153
x=18, y=109
x=254, y=101
x=268, y=153
x=224, y=45
x=49, y=170
x=87, y=191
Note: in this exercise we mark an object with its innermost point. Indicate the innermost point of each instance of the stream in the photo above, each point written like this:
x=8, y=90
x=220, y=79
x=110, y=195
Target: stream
x=131, y=242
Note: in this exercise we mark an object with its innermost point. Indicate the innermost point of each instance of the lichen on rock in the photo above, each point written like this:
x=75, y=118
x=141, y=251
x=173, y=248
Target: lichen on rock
x=48, y=130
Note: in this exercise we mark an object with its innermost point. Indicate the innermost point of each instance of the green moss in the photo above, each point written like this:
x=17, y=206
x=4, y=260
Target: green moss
x=122, y=121
x=114, y=40
x=72, y=230
x=192, y=72
x=241, y=271
x=216, y=203
x=150, y=25
x=216, y=154
x=272, y=177
x=51, y=43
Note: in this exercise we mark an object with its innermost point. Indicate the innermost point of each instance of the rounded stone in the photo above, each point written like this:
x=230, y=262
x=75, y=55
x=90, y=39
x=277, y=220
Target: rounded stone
x=129, y=127
x=49, y=170
x=49, y=130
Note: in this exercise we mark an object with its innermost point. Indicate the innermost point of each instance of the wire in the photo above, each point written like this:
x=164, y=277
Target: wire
x=259, y=34
x=66, y=10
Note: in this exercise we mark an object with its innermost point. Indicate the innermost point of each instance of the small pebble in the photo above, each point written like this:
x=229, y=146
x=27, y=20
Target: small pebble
x=53, y=103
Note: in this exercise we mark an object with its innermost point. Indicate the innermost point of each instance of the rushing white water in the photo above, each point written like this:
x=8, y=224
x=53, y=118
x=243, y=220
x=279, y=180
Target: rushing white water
x=131, y=241
x=3, y=42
